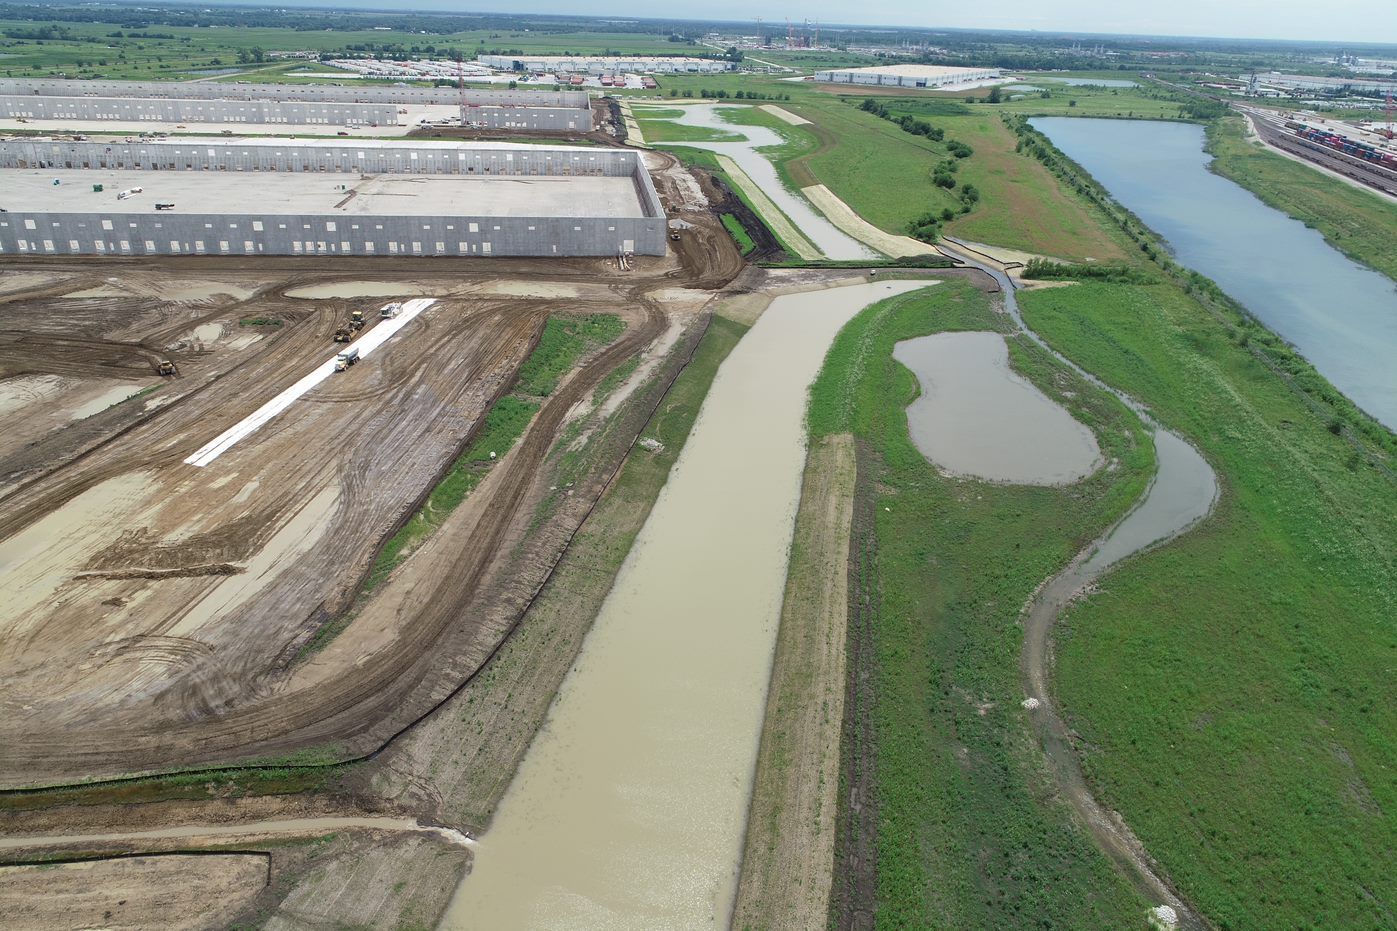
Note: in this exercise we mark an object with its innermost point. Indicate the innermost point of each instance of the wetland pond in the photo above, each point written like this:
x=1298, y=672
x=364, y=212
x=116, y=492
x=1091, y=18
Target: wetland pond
x=1340, y=315
x=629, y=809
x=975, y=416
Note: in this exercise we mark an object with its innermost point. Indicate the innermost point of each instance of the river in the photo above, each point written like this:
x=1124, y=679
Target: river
x=1340, y=315
x=629, y=808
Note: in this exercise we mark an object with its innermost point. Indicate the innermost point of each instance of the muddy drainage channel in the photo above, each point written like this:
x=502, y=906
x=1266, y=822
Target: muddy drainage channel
x=629, y=809
x=746, y=153
x=1182, y=494
x=255, y=829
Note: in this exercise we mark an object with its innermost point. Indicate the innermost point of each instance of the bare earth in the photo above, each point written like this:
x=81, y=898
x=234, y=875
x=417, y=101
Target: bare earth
x=172, y=892
x=789, y=851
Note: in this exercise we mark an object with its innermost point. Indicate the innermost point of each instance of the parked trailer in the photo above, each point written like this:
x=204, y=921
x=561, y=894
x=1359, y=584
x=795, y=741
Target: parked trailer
x=345, y=359
x=129, y=192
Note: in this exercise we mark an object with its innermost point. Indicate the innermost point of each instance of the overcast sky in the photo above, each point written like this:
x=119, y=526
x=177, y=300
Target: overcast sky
x=1368, y=21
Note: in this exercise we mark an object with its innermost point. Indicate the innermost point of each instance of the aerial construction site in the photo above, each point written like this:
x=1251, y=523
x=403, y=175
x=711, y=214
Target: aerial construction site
x=235, y=395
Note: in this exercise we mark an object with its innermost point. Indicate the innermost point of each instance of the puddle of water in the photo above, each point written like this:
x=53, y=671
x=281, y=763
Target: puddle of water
x=200, y=290
x=40, y=558
x=828, y=238
x=208, y=332
x=280, y=826
x=978, y=417
x=104, y=290
x=299, y=534
x=629, y=808
x=531, y=289
x=105, y=400
x=20, y=391
x=23, y=281
x=319, y=292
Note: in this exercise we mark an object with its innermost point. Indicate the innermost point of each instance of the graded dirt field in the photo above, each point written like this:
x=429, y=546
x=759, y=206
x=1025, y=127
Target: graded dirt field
x=166, y=616
x=174, y=892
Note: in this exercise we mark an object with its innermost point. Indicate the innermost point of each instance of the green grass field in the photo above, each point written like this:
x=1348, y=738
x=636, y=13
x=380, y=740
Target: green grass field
x=968, y=834
x=1235, y=690
x=1361, y=225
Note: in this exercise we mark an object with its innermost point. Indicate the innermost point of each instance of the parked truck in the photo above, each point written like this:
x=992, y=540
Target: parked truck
x=345, y=359
x=389, y=311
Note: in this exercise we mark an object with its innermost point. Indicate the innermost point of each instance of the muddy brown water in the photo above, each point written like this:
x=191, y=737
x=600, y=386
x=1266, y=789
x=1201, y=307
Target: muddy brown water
x=629, y=809
x=976, y=416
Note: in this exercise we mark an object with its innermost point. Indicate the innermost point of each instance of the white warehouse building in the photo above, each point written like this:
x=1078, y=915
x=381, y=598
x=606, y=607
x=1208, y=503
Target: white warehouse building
x=908, y=76
x=604, y=64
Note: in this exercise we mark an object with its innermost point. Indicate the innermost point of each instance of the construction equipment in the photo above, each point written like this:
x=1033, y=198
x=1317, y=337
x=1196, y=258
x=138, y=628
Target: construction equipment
x=674, y=235
x=345, y=359
x=356, y=319
x=389, y=311
x=165, y=367
x=342, y=335
x=164, y=206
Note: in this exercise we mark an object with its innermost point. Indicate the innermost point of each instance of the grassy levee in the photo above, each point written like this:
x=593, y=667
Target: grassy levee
x=1234, y=691
x=969, y=831
x=788, y=853
x=1361, y=225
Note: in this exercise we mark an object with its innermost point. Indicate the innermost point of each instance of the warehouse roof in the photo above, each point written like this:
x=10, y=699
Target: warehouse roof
x=302, y=193
x=913, y=71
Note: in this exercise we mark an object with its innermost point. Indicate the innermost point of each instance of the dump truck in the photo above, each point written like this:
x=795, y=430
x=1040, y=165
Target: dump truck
x=345, y=359
x=390, y=311
x=342, y=335
x=356, y=320
x=165, y=367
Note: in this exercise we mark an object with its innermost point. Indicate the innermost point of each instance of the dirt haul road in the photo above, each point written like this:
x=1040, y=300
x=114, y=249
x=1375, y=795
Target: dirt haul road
x=160, y=609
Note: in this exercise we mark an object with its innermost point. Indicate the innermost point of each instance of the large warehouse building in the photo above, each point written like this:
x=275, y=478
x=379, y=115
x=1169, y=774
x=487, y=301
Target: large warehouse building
x=285, y=103
x=912, y=76
x=379, y=197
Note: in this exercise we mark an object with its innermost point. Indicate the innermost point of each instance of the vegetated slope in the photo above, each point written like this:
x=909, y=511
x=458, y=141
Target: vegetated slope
x=1359, y=224
x=968, y=832
x=1235, y=691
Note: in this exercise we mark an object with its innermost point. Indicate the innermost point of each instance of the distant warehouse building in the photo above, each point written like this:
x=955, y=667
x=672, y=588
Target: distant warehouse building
x=907, y=76
x=220, y=102
x=321, y=197
x=604, y=64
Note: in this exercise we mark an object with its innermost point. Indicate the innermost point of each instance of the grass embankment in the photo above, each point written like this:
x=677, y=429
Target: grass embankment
x=565, y=339
x=505, y=704
x=1235, y=691
x=658, y=126
x=968, y=833
x=788, y=854
x=739, y=234
x=1361, y=225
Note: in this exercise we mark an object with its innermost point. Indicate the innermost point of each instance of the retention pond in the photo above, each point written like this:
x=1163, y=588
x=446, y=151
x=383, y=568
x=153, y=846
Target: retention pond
x=1340, y=315
x=975, y=416
x=629, y=809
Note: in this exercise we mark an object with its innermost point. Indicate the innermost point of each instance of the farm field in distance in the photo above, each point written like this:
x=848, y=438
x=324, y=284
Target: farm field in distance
x=300, y=617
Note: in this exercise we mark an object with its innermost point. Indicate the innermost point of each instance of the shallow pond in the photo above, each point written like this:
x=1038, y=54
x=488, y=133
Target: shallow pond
x=977, y=417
